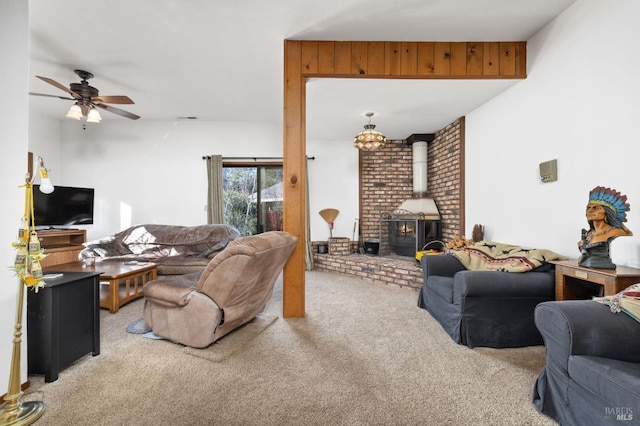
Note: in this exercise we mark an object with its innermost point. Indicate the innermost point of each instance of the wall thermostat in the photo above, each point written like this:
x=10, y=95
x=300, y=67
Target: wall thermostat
x=549, y=171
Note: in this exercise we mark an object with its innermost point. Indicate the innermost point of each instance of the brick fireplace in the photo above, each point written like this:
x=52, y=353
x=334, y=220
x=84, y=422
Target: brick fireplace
x=386, y=180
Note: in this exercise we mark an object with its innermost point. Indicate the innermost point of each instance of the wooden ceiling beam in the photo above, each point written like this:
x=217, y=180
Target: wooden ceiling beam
x=446, y=60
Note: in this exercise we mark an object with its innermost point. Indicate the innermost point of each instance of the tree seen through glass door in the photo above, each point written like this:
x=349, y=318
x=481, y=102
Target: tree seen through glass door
x=253, y=198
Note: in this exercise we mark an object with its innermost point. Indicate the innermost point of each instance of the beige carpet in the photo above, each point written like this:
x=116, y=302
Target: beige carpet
x=365, y=354
x=234, y=342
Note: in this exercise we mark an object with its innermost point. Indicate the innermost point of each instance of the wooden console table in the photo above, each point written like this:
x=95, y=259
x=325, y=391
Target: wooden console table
x=573, y=281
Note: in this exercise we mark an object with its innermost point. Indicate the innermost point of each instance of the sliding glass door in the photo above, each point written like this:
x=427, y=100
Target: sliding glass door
x=253, y=198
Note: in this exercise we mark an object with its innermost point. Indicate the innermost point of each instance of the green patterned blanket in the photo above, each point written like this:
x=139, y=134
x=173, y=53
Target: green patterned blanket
x=492, y=256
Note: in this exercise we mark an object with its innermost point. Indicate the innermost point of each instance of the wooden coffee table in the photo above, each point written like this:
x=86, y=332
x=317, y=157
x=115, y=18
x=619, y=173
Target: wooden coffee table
x=120, y=282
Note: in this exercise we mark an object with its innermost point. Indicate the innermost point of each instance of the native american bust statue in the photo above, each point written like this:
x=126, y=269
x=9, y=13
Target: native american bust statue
x=606, y=211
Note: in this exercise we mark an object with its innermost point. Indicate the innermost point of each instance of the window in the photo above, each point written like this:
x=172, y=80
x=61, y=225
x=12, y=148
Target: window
x=253, y=198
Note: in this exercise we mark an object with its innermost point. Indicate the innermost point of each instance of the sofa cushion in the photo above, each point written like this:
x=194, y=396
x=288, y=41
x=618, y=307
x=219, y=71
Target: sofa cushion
x=610, y=379
x=159, y=251
x=171, y=292
x=108, y=247
x=171, y=265
x=192, y=240
x=130, y=258
x=181, y=264
x=216, y=247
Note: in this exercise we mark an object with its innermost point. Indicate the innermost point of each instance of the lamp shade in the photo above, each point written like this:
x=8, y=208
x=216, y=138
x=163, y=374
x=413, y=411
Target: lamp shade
x=369, y=139
x=93, y=116
x=75, y=113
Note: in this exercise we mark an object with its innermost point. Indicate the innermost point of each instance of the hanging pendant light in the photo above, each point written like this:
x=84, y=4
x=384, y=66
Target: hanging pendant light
x=369, y=139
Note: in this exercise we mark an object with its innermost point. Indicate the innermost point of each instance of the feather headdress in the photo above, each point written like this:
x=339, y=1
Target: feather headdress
x=611, y=198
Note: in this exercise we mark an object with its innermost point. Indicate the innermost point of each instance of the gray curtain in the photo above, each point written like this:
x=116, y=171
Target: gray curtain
x=215, y=200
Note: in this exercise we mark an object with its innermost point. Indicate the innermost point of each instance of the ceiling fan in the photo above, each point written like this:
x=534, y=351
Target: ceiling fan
x=87, y=99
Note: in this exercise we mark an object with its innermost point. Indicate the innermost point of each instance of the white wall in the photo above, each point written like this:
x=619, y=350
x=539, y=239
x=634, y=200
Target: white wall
x=14, y=107
x=153, y=172
x=580, y=105
x=333, y=183
x=44, y=141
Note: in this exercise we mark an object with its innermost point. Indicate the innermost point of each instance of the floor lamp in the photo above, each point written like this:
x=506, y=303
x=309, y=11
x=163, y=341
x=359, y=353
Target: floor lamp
x=29, y=272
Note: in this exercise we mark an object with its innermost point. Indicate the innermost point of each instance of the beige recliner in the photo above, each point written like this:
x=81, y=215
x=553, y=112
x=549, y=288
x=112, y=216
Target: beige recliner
x=197, y=309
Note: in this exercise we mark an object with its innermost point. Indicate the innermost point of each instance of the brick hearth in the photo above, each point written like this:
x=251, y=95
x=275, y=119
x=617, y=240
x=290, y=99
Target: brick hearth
x=393, y=271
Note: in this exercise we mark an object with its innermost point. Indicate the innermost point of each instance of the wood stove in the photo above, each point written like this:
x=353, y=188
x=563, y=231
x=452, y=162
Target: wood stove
x=403, y=233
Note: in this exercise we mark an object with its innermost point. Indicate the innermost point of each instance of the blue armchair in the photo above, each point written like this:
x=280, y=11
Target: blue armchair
x=485, y=308
x=592, y=375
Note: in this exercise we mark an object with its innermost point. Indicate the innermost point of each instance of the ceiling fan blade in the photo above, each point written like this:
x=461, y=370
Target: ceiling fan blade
x=59, y=86
x=51, y=96
x=121, y=99
x=118, y=111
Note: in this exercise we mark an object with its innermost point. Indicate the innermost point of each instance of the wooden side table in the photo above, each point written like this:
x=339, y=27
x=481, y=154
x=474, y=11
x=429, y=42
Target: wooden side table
x=63, y=322
x=573, y=281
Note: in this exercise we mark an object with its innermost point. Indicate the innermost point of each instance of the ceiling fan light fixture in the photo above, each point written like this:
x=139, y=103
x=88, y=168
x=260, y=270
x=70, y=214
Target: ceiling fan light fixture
x=369, y=139
x=93, y=116
x=87, y=98
x=75, y=113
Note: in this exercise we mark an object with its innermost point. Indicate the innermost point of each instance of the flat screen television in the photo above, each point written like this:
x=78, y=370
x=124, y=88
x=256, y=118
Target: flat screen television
x=65, y=206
